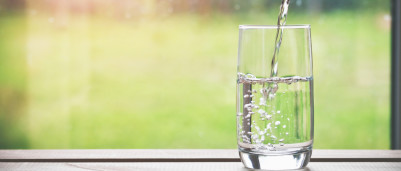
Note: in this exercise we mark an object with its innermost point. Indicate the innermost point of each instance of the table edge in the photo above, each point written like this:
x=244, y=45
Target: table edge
x=183, y=155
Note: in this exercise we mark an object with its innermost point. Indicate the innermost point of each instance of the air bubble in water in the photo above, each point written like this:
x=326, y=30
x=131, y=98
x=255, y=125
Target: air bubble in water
x=268, y=126
x=271, y=96
x=257, y=128
x=277, y=123
x=262, y=101
x=281, y=140
x=261, y=111
x=254, y=137
x=262, y=138
x=281, y=144
x=263, y=90
x=286, y=133
x=246, y=96
x=284, y=126
x=278, y=111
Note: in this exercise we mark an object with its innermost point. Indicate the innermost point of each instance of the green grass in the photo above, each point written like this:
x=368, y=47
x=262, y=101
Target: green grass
x=170, y=82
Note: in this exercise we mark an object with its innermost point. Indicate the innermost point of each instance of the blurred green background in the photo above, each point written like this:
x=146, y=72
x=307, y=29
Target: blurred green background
x=161, y=74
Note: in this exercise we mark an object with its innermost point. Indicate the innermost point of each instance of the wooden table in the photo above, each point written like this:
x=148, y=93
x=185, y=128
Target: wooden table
x=208, y=160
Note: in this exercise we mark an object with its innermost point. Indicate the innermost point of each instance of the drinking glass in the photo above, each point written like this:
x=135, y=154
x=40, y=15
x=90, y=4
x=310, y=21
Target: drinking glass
x=275, y=111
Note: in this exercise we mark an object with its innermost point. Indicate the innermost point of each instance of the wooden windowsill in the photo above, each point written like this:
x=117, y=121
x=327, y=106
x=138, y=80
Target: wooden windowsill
x=176, y=158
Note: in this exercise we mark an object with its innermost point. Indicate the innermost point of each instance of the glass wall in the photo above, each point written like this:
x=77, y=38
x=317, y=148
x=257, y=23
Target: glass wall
x=162, y=74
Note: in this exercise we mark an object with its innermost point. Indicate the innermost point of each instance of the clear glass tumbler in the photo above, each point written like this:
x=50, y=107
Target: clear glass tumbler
x=275, y=97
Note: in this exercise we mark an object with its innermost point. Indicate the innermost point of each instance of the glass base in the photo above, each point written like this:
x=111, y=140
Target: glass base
x=276, y=161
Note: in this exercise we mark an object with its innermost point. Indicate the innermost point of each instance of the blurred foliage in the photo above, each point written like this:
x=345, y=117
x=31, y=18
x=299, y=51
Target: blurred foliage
x=161, y=74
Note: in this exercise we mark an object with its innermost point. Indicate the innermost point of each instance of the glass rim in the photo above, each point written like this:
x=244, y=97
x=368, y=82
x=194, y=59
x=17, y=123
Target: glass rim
x=298, y=26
